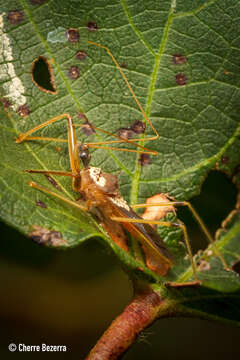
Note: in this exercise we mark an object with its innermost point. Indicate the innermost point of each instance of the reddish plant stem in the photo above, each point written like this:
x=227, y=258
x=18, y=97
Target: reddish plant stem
x=140, y=313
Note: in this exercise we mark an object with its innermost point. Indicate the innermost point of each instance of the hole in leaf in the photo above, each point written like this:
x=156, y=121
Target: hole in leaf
x=217, y=199
x=42, y=75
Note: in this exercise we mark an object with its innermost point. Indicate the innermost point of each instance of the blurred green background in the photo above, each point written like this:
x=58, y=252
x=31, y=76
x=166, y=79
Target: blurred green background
x=70, y=297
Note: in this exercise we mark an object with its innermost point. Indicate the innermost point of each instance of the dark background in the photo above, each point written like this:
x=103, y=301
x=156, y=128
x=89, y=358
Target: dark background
x=70, y=297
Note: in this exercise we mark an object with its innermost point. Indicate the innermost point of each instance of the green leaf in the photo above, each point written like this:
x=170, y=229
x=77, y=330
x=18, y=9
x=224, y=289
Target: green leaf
x=203, y=303
x=182, y=60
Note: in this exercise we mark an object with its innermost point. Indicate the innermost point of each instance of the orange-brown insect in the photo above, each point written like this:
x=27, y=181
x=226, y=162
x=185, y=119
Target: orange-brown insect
x=100, y=194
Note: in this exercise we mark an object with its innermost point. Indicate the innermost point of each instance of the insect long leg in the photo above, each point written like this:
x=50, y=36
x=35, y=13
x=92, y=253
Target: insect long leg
x=72, y=145
x=130, y=89
x=52, y=193
x=120, y=140
x=197, y=218
x=99, y=145
x=25, y=136
x=48, y=172
x=168, y=224
x=72, y=142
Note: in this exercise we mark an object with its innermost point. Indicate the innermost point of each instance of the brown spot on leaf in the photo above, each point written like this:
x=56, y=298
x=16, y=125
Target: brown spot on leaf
x=81, y=116
x=41, y=204
x=42, y=75
x=181, y=79
x=92, y=26
x=53, y=182
x=74, y=72
x=81, y=55
x=87, y=128
x=179, y=59
x=73, y=35
x=6, y=102
x=157, y=211
x=145, y=159
x=125, y=133
x=15, y=16
x=224, y=159
x=226, y=72
x=123, y=65
x=23, y=110
x=47, y=237
x=138, y=127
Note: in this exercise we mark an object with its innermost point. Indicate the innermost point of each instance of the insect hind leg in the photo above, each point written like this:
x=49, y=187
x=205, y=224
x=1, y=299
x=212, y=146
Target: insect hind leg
x=168, y=224
x=197, y=218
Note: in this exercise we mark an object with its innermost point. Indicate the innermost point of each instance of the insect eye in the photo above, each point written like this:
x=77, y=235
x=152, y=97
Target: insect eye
x=84, y=155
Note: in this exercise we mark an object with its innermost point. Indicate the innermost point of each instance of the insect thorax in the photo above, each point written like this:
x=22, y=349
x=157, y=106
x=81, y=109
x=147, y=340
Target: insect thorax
x=95, y=179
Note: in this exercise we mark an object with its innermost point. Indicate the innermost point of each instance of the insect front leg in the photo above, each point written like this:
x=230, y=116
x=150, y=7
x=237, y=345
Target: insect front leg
x=62, y=198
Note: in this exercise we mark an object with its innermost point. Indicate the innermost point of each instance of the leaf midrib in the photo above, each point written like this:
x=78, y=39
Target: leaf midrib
x=151, y=88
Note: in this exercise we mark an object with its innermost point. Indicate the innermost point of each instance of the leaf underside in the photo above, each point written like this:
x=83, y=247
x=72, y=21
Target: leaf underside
x=193, y=102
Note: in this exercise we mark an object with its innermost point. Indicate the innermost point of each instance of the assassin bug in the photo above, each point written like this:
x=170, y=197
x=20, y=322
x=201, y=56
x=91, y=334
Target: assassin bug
x=100, y=193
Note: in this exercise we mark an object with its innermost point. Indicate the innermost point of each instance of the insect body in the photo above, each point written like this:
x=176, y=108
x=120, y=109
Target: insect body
x=101, y=196
x=101, y=191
